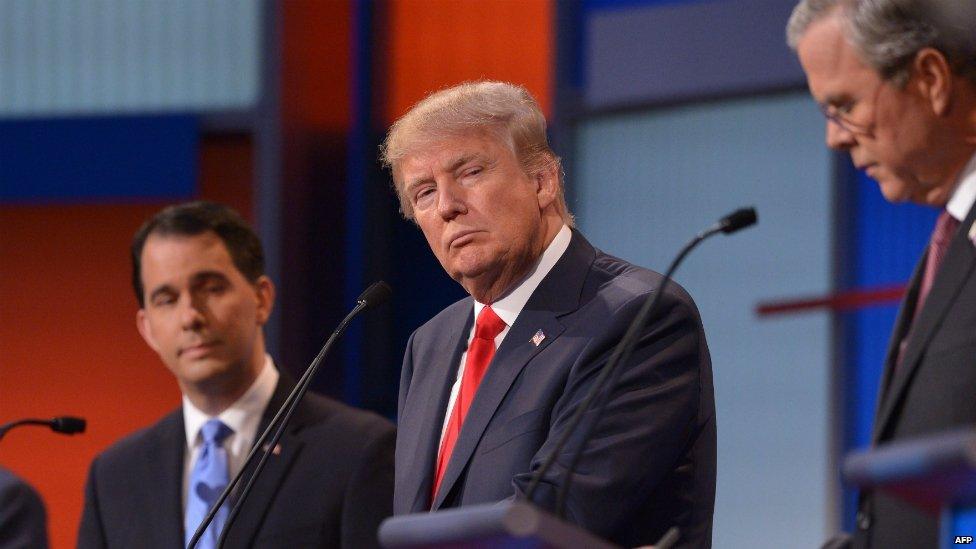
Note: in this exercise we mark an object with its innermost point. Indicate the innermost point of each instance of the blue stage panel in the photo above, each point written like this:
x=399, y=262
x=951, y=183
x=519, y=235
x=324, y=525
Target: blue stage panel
x=86, y=159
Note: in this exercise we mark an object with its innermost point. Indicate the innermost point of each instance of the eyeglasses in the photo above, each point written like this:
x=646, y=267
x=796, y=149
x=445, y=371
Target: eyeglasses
x=846, y=117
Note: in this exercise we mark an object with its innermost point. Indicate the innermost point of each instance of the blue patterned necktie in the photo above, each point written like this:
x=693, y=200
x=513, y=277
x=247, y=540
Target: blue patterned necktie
x=209, y=478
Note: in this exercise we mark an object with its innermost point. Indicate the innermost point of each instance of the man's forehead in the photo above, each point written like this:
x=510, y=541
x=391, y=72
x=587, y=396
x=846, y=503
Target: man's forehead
x=167, y=251
x=203, y=240
x=830, y=61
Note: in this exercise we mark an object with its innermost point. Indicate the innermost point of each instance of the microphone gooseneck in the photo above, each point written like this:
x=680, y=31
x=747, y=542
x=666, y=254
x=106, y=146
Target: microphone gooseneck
x=374, y=295
x=607, y=378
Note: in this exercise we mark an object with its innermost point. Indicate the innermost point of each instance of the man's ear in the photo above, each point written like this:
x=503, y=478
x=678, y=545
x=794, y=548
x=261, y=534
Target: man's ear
x=145, y=329
x=934, y=79
x=264, y=289
x=547, y=185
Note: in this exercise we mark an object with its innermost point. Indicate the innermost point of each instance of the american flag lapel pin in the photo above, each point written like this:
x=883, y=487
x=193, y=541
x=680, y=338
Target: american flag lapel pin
x=538, y=337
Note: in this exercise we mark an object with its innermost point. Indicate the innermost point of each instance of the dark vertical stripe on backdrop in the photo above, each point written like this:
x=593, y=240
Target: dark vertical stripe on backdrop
x=355, y=196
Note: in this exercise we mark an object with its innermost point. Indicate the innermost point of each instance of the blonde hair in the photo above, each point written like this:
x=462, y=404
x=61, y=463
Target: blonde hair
x=503, y=111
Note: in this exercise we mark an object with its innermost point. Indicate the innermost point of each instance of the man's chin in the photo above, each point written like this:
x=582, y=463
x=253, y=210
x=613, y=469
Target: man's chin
x=203, y=371
x=894, y=191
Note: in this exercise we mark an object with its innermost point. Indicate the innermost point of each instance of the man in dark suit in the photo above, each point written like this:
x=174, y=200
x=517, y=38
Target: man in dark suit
x=897, y=82
x=198, y=273
x=23, y=521
x=489, y=384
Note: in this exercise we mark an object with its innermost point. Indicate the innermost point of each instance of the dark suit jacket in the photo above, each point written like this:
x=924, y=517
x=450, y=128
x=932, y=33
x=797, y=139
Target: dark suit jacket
x=651, y=462
x=932, y=390
x=23, y=522
x=330, y=486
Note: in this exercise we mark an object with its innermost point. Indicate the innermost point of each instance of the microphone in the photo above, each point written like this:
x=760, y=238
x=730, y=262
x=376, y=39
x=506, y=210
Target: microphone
x=376, y=294
x=731, y=223
x=67, y=425
x=739, y=219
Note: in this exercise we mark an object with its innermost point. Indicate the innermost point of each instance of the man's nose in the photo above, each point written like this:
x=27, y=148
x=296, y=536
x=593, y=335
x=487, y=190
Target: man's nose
x=450, y=202
x=191, y=313
x=839, y=138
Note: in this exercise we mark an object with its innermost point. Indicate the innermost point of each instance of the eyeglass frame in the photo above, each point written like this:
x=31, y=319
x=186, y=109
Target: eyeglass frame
x=838, y=115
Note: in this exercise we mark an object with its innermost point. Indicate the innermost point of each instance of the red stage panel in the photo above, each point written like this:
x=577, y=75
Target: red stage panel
x=69, y=345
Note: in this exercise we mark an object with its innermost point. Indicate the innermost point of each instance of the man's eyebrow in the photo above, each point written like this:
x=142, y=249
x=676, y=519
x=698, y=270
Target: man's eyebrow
x=204, y=276
x=462, y=160
x=451, y=165
x=413, y=183
x=836, y=99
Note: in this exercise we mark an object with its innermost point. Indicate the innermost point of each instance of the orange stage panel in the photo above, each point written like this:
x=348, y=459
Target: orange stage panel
x=437, y=43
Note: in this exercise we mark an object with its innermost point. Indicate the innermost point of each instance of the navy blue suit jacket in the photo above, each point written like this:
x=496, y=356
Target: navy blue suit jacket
x=650, y=464
x=330, y=486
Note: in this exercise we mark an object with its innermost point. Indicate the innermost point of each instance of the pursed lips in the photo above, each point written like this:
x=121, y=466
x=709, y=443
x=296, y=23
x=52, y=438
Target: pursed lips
x=460, y=238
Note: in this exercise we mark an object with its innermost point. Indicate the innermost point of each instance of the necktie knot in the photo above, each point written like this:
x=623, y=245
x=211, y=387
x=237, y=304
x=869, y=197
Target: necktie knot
x=945, y=228
x=209, y=478
x=215, y=432
x=488, y=325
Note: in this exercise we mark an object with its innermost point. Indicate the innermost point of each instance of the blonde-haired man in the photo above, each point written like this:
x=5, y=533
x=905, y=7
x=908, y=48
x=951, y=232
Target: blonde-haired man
x=488, y=385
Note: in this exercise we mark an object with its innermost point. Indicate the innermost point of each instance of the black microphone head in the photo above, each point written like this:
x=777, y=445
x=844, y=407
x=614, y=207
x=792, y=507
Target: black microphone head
x=68, y=425
x=377, y=294
x=739, y=219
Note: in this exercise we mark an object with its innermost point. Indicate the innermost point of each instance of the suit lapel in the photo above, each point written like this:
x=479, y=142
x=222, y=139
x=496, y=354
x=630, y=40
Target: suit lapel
x=251, y=517
x=164, y=470
x=442, y=367
x=903, y=323
x=515, y=352
x=956, y=268
x=557, y=294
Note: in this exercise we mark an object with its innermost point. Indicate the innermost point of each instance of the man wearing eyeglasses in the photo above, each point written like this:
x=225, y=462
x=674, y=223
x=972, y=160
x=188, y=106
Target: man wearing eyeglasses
x=896, y=80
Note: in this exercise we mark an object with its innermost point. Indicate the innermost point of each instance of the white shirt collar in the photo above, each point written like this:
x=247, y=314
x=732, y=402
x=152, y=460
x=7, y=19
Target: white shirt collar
x=243, y=415
x=965, y=194
x=508, y=307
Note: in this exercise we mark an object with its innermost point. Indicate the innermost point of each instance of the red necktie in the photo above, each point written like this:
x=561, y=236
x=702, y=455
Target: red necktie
x=945, y=228
x=480, y=351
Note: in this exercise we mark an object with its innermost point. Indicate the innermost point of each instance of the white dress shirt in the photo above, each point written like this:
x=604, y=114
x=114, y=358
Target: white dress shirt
x=511, y=304
x=964, y=195
x=243, y=417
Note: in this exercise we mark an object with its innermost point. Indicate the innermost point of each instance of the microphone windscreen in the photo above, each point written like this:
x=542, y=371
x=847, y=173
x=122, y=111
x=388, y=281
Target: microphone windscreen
x=377, y=294
x=739, y=219
x=68, y=425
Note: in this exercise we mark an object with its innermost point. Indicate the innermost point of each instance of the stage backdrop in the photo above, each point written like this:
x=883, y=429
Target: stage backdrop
x=645, y=183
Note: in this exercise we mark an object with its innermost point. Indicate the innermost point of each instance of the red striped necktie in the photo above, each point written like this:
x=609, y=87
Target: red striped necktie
x=945, y=228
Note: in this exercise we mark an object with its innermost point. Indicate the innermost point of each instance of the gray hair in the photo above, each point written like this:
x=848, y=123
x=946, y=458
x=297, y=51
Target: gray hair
x=888, y=33
x=503, y=111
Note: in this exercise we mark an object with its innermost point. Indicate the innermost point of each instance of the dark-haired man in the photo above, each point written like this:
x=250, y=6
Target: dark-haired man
x=198, y=274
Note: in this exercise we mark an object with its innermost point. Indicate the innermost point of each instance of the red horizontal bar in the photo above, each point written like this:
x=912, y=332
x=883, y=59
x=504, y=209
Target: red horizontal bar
x=841, y=301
